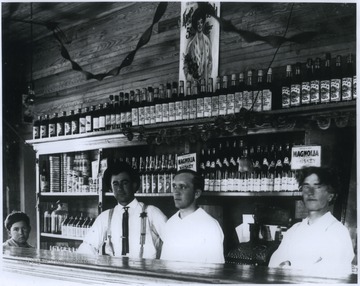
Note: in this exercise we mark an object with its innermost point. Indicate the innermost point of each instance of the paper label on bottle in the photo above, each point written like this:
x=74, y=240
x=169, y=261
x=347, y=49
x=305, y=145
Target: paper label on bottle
x=178, y=110
x=88, y=124
x=159, y=112
x=267, y=100
x=152, y=115
x=36, y=132
x=113, y=119
x=67, y=126
x=134, y=117
x=107, y=119
x=325, y=91
x=192, y=107
x=172, y=114
x=238, y=100
x=147, y=115
x=258, y=97
x=43, y=131
x=305, y=93
x=346, y=88
x=247, y=99
x=52, y=129
x=315, y=91
x=295, y=95
x=160, y=183
x=206, y=184
x=222, y=104
x=123, y=117
x=165, y=109
x=75, y=126
x=82, y=125
x=101, y=122
x=285, y=97
x=354, y=87
x=207, y=106
x=230, y=103
x=186, y=110
x=200, y=107
x=141, y=113
x=214, y=110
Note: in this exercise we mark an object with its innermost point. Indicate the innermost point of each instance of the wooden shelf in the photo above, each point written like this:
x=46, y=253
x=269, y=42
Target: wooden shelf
x=59, y=236
x=226, y=194
x=64, y=194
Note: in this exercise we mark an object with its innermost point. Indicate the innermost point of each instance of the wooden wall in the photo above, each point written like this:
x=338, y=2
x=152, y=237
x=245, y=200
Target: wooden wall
x=101, y=44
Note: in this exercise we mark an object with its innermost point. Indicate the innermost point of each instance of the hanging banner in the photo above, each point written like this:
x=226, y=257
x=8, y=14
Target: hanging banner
x=187, y=161
x=305, y=156
x=199, y=43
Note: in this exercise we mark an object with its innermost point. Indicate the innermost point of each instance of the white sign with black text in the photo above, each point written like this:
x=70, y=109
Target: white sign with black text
x=305, y=156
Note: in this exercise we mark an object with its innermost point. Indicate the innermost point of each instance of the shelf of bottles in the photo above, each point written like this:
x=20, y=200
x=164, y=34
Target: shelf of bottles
x=68, y=174
x=316, y=82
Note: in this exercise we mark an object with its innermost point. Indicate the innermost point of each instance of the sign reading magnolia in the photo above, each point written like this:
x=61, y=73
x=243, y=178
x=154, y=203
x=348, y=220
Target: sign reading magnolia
x=305, y=156
x=187, y=161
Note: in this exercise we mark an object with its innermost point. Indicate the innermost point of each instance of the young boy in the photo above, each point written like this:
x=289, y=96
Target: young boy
x=18, y=227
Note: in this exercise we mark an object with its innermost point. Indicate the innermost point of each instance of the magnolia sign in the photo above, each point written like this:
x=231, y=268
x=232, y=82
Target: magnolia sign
x=305, y=156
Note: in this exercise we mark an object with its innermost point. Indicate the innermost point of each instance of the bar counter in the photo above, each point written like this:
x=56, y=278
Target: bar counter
x=78, y=268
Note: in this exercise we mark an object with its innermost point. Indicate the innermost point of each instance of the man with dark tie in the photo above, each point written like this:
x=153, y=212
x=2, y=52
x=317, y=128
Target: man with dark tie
x=131, y=228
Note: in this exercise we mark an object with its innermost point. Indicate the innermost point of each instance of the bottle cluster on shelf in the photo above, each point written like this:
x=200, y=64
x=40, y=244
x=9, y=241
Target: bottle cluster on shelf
x=251, y=90
x=156, y=172
x=59, y=222
x=236, y=167
x=68, y=172
x=320, y=83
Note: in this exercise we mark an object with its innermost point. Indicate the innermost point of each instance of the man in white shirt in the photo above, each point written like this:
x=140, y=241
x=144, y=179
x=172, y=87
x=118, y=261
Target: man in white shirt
x=191, y=234
x=107, y=235
x=319, y=243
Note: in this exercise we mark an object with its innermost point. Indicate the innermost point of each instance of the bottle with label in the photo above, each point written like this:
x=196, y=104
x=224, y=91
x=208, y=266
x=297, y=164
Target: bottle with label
x=122, y=101
x=52, y=125
x=305, y=84
x=57, y=218
x=78, y=226
x=185, y=102
x=223, y=96
x=112, y=113
x=179, y=105
x=286, y=88
x=131, y=102
x=211, y=101
x=199, y=95
x=335, y=85
x=75, y=122
x=60, y=124
x=238, y=96
x=315, y=83
x=172, y=102
x=82, y=121
x=248, y=94
x=295, y=88
x=149, y=107
x=230, y=97
x=102, y=119
x=141, y=109
x=134, y=109
x=267, y=99
x=44, y=178
x=192, y=100
x=165, y=105
x=158, y=101
x=95, y=119
x=258, y=92
x=278, y=169
x=36, y=127
x=108, y=111
x=347, y=80
x=325, y=83
x=44, y=126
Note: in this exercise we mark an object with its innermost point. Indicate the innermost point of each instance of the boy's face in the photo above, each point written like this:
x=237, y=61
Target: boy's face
x=20, y=231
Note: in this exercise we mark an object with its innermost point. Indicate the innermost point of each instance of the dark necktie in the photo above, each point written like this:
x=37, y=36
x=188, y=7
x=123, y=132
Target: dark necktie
x=125, y=232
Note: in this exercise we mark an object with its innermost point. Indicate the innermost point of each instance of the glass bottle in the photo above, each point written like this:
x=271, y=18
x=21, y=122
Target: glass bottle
x=248, y=94
x=192, y=101
x=325, y=82
x=285, y=88
x=179, y=104
x=88, y=119
x=134, y=110
x=200, y=98
x=95, y=118
x=238, y=96
x=185, y=102
x=172, y=107
x=258, y=92
x=36, y=127
x=295, y=88
x=44, y=125
x=347, y=80
x=268, y=89
x=335, y=85
x=52, y=125
x=82, y=121
x=315, y=83
x=305, y=84
x=67, y=124
x=230, y=97
x=60, y=124
x=165, y=105
x=211, y=100
x=223, y=96
x=158, y=104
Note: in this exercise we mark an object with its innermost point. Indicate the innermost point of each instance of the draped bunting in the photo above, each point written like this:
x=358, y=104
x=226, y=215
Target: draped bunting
x=226, y=25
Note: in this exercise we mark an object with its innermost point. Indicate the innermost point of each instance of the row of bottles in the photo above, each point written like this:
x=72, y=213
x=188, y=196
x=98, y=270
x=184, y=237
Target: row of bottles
x=58, y=222
x=321, y=83
x=68, y=172
x=235, y=167
x=156, y=172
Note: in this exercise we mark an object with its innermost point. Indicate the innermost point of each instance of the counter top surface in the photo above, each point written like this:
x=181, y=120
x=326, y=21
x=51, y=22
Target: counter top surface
x=80, y=267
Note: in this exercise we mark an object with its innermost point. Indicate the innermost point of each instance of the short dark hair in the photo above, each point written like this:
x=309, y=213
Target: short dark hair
x=118, y=167
x=198, y=14
x=198, y=180
x=15, y=217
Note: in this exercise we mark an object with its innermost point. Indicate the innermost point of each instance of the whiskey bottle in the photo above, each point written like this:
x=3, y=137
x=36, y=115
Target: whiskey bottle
x=285, y=88
x=258, y=92
x=295, y=88
x=101, y=118
x=141, y=109
x=267, y=103
x=347, y=80
x=185, y=102
x=325, y=82
x=151, y=106
x=238, y=96
x=335, y=85
x=192, y=100
x=200, y=98
x=52, y=125
x=305, y=84
x=211, y=101
x=223, y=96
x=179, y=106
x=134, y=109
x=44, y=126
x=174, y=96
x=158, y=101
x=108, y=112
x=36, y=127
x=165, y=105
x=230, y=97
x=315, y=83
x=248, y=91
x=75, y=122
